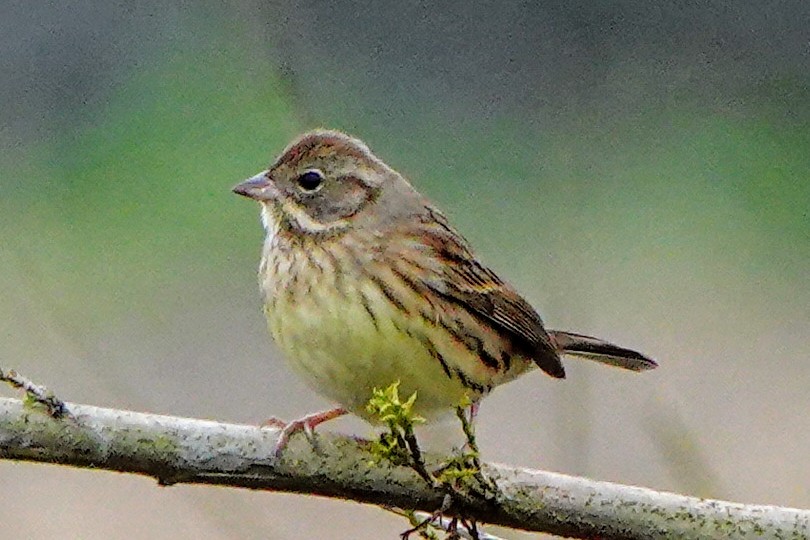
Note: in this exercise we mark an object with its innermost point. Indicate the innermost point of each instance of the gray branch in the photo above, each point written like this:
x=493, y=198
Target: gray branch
x=183, y=450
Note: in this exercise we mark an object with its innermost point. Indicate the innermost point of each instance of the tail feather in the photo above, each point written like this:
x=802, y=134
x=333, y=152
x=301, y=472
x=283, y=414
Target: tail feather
x=600, y=351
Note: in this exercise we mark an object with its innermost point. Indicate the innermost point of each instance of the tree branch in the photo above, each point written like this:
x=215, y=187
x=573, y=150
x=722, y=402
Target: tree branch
x=183, y=450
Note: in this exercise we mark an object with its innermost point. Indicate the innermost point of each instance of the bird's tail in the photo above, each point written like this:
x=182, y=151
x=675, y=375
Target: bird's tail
x=600, y=351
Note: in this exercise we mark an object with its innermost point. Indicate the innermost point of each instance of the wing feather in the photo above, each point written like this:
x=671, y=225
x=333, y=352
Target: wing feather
x=459, y=277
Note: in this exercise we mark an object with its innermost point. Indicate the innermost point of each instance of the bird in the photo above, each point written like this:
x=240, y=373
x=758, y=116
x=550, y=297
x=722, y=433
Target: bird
x=366, y=283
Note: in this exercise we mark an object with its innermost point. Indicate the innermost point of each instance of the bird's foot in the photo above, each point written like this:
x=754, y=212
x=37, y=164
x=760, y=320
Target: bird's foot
x=306, y=424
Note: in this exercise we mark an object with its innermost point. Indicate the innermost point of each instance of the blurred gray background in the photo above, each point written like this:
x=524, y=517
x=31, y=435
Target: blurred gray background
x=640, y=171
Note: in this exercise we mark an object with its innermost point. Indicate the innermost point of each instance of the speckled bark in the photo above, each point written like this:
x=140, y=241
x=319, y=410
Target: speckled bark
x=182, y=450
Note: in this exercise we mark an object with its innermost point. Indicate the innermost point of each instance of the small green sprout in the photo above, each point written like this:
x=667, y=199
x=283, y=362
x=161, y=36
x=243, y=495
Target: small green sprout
x=459, y=469
x=399, y=418
x=396, y=414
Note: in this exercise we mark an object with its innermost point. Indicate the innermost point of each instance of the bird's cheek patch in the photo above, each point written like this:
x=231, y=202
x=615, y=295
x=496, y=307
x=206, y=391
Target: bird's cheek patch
x=303, y=220
x=348, y=197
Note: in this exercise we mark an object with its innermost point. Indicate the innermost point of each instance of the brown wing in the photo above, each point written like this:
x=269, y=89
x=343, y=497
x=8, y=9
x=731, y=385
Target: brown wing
x=461, y=278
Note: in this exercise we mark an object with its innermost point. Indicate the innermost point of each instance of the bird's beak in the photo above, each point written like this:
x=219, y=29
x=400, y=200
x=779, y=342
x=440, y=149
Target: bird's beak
x=259, y=187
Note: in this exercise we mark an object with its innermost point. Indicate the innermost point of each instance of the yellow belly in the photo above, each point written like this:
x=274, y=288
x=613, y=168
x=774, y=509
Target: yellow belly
x=335, y=344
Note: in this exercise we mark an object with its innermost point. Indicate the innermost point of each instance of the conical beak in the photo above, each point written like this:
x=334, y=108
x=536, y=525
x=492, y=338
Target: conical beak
x=259, y=187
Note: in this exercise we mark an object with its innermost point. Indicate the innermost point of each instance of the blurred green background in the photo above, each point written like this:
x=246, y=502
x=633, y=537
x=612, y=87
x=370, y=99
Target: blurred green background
x=640, y=172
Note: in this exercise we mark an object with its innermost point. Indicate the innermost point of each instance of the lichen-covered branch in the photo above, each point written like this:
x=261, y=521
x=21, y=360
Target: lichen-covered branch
x=183, y=450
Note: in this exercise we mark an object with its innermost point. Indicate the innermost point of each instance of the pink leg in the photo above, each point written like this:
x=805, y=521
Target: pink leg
x=306, y=424
x=474, y=411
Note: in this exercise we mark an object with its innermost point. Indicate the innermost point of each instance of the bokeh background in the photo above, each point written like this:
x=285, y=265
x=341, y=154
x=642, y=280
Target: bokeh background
x=640, y=171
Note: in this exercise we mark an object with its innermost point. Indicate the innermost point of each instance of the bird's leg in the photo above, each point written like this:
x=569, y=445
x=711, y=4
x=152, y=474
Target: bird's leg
x=307, y=424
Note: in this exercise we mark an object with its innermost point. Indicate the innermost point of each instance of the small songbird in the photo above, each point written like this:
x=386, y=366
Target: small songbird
x=366, y=283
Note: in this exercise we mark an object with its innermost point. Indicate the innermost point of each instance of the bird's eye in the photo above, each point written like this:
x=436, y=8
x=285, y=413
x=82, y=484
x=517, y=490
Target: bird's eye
x=310, y=180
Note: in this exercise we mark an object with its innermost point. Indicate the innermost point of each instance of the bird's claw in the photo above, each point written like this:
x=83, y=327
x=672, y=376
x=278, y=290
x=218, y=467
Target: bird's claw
x=306, y=424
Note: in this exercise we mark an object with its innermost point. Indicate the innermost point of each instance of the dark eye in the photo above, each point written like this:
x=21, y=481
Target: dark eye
x=310, y=180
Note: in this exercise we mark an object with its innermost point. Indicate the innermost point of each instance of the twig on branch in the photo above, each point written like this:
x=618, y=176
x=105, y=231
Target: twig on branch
x=445, y=524
x=39, y=394
x=176, y=450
